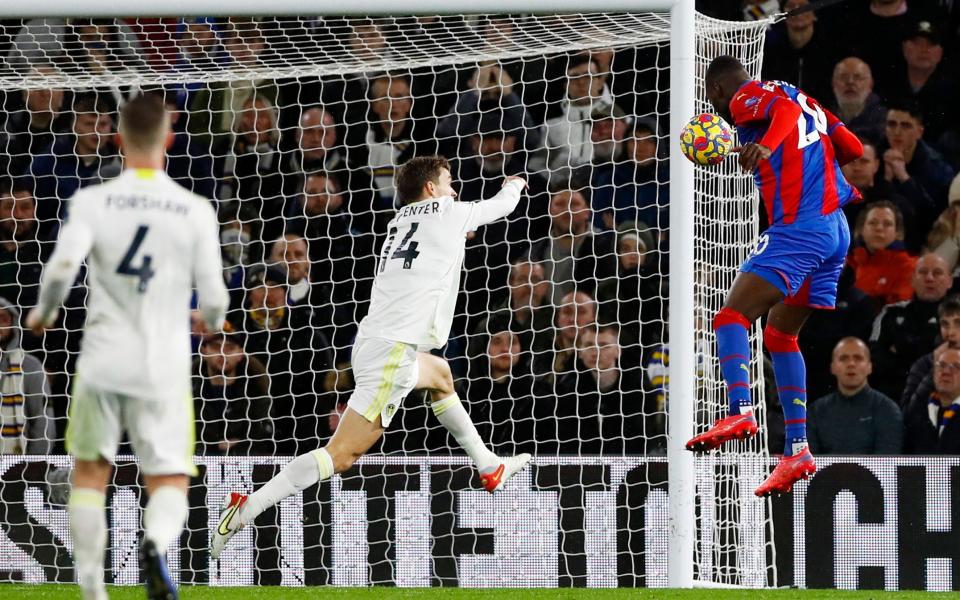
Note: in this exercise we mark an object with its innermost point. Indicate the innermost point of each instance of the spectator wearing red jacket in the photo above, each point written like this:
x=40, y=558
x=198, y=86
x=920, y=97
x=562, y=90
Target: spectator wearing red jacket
x=882, y=267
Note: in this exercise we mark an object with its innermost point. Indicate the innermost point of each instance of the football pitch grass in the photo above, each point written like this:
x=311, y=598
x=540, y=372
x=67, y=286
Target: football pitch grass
x=44, y=592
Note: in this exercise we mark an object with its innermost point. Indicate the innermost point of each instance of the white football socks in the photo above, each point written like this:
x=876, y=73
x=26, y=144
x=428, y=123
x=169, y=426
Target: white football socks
x=452, y=415
x=164, y=517
x=88, y=527
x=299, y=474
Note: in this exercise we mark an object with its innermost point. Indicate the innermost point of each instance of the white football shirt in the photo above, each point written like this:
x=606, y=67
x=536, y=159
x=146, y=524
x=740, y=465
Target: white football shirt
x=418, y=274
x=148, y=243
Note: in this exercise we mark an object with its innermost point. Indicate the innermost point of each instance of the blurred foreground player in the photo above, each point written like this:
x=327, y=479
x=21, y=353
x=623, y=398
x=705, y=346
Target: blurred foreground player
x=411, y=310
x=795, y=148
x=147, y=242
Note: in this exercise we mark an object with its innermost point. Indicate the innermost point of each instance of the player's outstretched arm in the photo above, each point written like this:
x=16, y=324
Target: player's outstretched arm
x=846, y=144
x=74, y=244
x=500, y=205
x=208, y=274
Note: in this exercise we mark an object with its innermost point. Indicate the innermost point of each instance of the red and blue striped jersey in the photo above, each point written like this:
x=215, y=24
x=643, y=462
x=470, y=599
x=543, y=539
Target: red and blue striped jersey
x=802, y=179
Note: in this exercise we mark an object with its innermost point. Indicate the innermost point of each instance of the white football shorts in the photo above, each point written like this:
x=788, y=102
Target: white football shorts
x=161, y=430
x=384, y=372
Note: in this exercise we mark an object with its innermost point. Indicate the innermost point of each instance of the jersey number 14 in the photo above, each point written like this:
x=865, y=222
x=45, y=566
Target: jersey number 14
x=407, y=250
x=144, y=273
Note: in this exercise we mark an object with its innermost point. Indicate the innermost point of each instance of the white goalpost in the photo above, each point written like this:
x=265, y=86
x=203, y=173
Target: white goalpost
x=291, y=126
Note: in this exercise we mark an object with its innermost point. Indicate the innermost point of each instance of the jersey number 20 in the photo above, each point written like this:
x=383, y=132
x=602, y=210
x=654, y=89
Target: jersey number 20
x=143, y=272
x=819, y=122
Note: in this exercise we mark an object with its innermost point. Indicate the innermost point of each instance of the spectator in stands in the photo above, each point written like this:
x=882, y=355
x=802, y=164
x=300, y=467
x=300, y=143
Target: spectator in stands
x=639, y=190
x=74, y=161
x=613, y=413
x=45, y=41
x=900, y=188
x=855, y=419
x=931, y=424
x=527, y=311
x=317, y=149
x=944, y=236
x=881, y=25
x=198, y=45
x=231, y=397
x=252, y=170
x=490, y=88
x=216, y=107
x=907, y=155
x=854, y=101
x=501, y=391
x=22, y=250
x=99, y=49
x=799, y=52
x=187, y=162
x=919, y=383
x=339, y=384
x=634, y=299
x=295, y=353
x=575, y=255
x=290, y=254
x=31, y=129
x=608, y=135
x=907, y=330
x=882, y=267
x=236, y=235
x=386, y=138
x=25, y=416
x=342, y=258
x=928, y=81
x=575, y=312
x=567, y=140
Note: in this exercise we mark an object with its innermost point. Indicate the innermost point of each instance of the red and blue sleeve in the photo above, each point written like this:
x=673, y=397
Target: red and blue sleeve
x=847, y=145
x=752, y=103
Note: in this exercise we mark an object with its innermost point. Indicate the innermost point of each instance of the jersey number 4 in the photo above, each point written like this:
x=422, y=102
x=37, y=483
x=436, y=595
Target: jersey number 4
x=143, y=272
x=407, y=250
x=819, y=122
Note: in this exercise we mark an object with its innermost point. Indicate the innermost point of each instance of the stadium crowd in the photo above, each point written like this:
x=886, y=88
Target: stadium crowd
x=560, y=342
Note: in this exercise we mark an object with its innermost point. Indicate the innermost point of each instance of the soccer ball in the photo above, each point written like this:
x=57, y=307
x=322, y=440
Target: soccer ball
x=706, y=139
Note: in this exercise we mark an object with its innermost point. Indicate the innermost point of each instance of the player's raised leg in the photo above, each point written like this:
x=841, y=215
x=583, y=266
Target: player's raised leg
x=749, y=298
x=780, y=338
x=435, y=376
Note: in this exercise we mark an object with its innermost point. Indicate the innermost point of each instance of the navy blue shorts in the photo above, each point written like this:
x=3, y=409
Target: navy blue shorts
x=803, y=260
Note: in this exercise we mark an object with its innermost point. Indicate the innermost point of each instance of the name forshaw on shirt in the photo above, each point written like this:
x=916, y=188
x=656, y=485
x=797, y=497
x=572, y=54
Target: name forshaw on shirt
x=147, y=203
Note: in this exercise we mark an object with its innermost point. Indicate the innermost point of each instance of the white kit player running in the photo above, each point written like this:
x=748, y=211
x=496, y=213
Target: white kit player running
x=411, y=310
x=148, y=243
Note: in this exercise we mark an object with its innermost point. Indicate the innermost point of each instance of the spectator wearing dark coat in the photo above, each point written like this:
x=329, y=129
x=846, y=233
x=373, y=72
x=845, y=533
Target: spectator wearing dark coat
x=232, y=399
x=907, y=155
x=73, y=161
x=908, y=196
x=295, y=353
x=932, y=424
x=799, y=51
x=855, y=419
x=905, y=331
x=919, y=382
x=22, y=249
x=634, y=299
x=854, y=102
x=576, y=255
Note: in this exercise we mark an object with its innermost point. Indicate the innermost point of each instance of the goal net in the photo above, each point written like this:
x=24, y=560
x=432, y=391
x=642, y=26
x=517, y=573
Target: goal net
x=292, y=128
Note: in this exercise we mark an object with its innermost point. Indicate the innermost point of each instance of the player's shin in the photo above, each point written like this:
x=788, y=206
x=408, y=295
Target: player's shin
x=88, y=527
x=791, y=374
x=299, y=474
x=164, y=516
x=733, y=348
x=454, y=418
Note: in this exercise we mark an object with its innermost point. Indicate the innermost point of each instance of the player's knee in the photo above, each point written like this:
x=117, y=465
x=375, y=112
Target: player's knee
x=777, y=341
x=729, y=316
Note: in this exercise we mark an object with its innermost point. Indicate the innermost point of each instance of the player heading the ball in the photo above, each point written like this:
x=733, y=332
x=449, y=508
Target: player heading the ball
x=411, y=310
x=148, y=243
x=794, y=147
